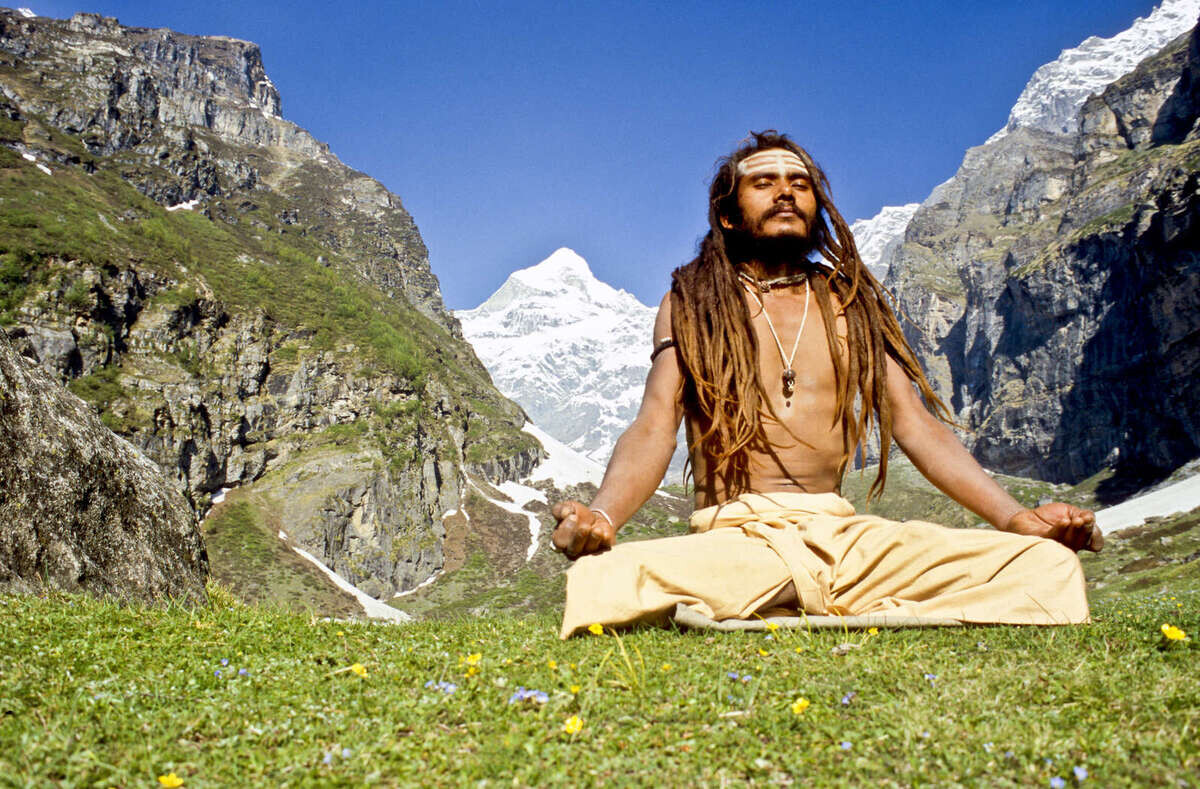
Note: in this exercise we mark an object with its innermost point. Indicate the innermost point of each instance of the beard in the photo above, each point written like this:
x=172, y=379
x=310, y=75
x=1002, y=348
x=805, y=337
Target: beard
x=748, y=243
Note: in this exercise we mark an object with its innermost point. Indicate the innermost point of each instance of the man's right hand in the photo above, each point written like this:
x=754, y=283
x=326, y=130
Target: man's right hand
x=580, y=531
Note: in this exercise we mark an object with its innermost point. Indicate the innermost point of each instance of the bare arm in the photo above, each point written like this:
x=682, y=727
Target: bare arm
x=639, y=460
x=944, y=461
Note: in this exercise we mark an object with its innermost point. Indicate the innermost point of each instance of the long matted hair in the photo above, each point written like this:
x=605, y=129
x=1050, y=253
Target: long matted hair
x=723, y=392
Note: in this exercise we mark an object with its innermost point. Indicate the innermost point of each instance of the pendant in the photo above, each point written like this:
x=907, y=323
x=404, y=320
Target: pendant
x=789, y=382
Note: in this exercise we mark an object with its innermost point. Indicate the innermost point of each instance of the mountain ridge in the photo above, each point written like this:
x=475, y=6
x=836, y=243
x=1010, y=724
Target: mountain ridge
x=284, y=337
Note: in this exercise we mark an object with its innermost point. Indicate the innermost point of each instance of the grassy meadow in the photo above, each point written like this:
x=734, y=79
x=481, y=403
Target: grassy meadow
x=99, y=694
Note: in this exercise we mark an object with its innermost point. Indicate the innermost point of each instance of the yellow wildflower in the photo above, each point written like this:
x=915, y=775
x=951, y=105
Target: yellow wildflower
x=472, y=671
x=799, y=706
x=763, y=653
x=573, y=724
x=552, y=664
x=170, y=780
x=359, y=669
x=596, y=629
x=772, y=626
x=340, y=633
x=799, y=650
x=872, y=631
x=471, y=660
x=1173, y=633
x=575, y=689
x=666, y=666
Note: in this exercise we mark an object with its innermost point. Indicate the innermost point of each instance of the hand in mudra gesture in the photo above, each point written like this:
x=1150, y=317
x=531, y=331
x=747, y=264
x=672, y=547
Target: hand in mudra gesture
x=580, y=531
x=1073, y=526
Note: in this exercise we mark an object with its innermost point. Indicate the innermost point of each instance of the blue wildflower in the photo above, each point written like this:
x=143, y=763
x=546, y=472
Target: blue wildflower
x=1008, y=754
x=217, y=673
x=930, y=677
x=746, y=678
x=1057, y=783
x=733, y=675
x=243, y=672
x=224, y=661
x=846, y=745
x=347, y=753
x=328, y=759
x=987, y=746
x=1080, y=773
x=849, y=697
x=528, y=694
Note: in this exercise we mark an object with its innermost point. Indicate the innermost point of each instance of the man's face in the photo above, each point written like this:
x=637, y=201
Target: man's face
x=775, y=196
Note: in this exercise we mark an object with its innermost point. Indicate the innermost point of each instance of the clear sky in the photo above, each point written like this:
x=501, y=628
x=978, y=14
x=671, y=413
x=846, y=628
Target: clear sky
x=509, y=129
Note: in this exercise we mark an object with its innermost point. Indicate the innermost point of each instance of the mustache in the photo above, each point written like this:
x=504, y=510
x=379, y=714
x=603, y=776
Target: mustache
x=781, y=207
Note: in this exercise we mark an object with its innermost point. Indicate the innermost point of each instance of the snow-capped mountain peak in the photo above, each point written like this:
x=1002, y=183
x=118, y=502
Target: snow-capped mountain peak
x=877, y=237
x=561, y=286
x=572, y=350
x=1053, y=96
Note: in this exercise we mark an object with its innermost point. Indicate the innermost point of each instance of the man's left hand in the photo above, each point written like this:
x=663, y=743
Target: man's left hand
x=1073, y=526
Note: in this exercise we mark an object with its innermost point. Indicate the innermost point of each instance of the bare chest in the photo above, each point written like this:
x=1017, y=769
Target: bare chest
x=795, y=363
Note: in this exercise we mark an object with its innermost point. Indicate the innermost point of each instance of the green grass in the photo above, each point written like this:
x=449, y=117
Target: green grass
x=96, y=693
x=99, y=694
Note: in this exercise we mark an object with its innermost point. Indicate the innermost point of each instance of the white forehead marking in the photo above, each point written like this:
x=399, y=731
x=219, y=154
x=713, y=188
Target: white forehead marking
x=773, y=160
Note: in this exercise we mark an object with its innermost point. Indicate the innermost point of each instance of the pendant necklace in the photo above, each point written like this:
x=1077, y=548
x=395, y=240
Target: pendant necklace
x=789, y=375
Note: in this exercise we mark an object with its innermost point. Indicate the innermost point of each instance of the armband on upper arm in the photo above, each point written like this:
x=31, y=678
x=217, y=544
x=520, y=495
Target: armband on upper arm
x=660, y=346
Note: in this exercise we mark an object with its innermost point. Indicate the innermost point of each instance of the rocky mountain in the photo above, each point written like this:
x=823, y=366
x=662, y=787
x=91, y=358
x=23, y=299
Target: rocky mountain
x=1054, y=94
x=1053, y=289
x=83, y=510
x=572, y=350
x=245, y=309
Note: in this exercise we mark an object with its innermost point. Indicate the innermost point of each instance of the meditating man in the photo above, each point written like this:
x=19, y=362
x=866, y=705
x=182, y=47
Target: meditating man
x=778, y=348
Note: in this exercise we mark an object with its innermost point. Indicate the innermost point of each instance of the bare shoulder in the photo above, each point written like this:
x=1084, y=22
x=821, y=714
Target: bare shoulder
x=662, y=323
x=664, y=384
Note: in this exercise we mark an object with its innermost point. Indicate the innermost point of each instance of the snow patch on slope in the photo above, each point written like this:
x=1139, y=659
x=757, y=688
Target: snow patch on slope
x=1179, y=497
x=374, y=608
x=564, y=466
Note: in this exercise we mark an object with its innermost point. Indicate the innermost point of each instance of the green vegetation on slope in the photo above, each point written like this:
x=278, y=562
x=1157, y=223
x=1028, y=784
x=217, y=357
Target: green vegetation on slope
x=486, y=573
x=53, y=227
x=909, y=496
x=244, y=553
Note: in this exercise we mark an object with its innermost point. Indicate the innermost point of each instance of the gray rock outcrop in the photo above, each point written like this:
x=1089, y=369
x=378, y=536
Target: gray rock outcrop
x=1052, y=287
x=82, y=509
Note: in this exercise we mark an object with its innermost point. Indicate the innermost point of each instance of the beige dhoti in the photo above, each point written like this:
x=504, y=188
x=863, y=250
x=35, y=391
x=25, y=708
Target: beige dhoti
x=742, y=554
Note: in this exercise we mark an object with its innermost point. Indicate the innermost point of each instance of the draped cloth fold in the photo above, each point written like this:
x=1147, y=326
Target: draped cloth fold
x=742, y=554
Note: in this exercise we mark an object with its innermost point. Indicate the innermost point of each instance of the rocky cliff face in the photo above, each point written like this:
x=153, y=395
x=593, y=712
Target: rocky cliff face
x=1052, y=285
x=233, y=299
x=82, y=509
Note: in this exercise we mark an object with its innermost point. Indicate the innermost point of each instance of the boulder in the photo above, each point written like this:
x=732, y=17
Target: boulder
x=81, y=509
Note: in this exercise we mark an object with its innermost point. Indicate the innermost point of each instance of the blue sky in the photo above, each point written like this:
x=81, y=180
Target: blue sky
x=510, y=129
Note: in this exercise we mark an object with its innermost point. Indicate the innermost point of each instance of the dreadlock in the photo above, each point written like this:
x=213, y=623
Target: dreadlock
x=723, y=392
